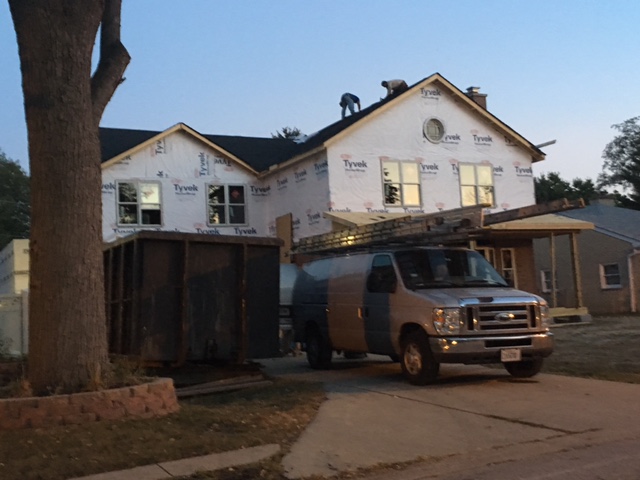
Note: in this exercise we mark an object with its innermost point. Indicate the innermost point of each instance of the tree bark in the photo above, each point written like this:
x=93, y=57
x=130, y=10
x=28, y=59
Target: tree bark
x=67, y=333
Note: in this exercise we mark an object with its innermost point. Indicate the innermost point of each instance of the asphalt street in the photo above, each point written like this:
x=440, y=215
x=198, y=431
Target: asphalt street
x=475, y=423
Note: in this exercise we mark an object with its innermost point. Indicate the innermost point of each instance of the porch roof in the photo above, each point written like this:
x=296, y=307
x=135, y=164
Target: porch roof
x=547, y=223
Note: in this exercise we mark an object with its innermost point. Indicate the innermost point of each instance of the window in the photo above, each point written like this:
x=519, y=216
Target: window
x=382, y=277
x=546, y=281
x=476, y=184
x=508, y=261
x=401, y=182
x=610, y=276
x=139, y=204
x=433, y=130
x=227, y=205
x=488, y=253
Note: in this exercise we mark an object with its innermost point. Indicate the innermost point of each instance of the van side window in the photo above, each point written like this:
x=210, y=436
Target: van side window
x=382, y=277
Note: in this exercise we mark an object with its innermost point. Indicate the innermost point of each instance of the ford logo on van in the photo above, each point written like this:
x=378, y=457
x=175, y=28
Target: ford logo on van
x=505, y=317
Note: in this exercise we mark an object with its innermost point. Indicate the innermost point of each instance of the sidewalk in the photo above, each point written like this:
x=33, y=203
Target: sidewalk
x=189, y=466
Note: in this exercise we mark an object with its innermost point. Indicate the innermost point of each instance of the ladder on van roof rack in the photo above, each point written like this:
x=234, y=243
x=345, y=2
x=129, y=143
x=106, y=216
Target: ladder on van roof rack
x=458, y=225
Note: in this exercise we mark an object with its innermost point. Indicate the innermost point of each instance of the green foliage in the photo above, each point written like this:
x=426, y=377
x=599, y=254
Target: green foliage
x=289, y=133
x=550, y=187
x=14, y=201
x=621, y=167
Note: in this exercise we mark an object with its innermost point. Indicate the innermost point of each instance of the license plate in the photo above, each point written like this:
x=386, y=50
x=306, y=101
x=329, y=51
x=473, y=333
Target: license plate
x=510, y=355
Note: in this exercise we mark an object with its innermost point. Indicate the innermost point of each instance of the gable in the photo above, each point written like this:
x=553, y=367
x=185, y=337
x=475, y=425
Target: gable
x=254, y=153
x=429, y=88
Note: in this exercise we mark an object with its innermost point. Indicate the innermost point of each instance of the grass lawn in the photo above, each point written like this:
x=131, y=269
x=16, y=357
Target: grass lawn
x=607, y=349
x=214, y=423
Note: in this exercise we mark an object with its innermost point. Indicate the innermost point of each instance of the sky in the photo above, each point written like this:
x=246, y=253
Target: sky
x=563, y=70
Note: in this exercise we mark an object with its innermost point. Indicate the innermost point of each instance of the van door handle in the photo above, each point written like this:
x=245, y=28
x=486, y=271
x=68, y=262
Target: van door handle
x=363, y=312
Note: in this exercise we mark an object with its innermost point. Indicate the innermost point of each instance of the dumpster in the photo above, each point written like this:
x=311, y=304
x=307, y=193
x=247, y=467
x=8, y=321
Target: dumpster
x=175, y=297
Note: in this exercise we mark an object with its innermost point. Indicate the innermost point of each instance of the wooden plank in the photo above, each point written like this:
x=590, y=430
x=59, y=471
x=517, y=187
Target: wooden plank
x=532, y=211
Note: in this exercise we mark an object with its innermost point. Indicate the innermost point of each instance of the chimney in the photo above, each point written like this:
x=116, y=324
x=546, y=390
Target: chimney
x=480, y=98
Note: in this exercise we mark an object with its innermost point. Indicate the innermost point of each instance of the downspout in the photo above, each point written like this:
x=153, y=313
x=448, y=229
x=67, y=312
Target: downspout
x=632, y=284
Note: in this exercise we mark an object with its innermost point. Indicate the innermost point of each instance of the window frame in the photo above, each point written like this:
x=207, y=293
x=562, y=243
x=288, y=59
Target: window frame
x=509, y=273
x=604, y=285
x=139, y=204
x=227, y=204
x=441, y=128
x=476, y=185
x=401, y=183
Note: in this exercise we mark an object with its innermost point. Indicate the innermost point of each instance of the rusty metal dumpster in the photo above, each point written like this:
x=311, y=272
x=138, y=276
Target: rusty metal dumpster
x=174, y=297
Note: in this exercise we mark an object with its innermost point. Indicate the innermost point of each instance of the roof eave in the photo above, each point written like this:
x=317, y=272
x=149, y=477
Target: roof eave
x=292, y=161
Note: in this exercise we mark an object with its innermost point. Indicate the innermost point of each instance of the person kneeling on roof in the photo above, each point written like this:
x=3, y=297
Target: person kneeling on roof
x=394, y=87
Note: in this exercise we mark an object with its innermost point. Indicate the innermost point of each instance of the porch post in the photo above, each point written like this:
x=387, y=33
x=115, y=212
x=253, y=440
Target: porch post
x=576, y=269
x=554, y=282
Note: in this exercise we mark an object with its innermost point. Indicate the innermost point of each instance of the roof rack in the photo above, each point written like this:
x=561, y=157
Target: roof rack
x=458, y=225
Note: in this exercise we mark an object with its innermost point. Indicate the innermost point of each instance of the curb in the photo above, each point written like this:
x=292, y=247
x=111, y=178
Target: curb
x=189, y=466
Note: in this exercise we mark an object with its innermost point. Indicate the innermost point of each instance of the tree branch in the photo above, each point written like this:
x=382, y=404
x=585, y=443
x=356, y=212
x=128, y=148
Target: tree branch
x=114, y=59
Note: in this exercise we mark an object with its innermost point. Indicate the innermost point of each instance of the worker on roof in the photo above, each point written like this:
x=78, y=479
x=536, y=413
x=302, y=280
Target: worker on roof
x=394, y=87
x=348, y=100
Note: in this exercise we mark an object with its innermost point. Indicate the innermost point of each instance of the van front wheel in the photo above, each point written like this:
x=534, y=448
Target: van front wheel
x=318, y=351
x=418, y=364
x=524, y=368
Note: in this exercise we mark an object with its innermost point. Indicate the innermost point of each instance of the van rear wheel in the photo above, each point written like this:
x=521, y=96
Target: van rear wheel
x=319, y=352
x=418, y=365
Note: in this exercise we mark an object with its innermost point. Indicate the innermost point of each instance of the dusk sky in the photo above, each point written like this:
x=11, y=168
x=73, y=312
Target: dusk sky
x=563, y=70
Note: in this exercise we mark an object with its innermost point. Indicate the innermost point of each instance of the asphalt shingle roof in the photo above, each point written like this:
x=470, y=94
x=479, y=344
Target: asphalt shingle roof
x=621, y=222
x=258, y=152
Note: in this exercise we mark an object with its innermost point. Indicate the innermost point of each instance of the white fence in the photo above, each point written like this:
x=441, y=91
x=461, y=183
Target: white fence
x=14, y=324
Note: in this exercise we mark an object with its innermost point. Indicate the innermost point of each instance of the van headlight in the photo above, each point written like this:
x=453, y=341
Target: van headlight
x=447, y=321
x=545, y=316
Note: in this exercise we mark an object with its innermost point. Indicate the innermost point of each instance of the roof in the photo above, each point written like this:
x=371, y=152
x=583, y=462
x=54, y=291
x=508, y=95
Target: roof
x=334, y=129
x=549, y=221
x=262, y=153
x=622, y=223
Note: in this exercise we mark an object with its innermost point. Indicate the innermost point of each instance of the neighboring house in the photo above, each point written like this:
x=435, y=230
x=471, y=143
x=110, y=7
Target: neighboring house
x=432, y=148
x=608, y=259
x=14, y=267
x=14, y=297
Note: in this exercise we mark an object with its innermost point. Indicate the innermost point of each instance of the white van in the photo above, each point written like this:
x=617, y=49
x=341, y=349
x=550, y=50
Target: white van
x=421, y=305
x=288, y=274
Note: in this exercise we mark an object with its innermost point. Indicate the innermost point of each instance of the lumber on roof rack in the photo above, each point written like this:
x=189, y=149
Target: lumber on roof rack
x=455, y=225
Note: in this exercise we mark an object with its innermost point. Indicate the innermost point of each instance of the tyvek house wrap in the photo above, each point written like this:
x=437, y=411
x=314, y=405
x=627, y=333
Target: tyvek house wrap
x=397, y=134
x=346, y=176
x=183, y=167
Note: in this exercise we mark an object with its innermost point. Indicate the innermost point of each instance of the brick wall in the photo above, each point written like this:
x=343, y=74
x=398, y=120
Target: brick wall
x=154, y=399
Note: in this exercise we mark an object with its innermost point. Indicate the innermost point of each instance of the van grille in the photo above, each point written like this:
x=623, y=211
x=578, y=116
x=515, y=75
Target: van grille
x=501, y=318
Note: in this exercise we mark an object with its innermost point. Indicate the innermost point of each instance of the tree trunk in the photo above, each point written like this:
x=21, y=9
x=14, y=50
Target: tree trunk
x=67, y=332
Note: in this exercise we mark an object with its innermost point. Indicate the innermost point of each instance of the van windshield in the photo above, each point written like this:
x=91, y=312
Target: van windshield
x=446, y=268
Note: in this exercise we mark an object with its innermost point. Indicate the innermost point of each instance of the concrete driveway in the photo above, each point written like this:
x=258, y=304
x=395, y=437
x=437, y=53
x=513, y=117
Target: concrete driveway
x=472, y=418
